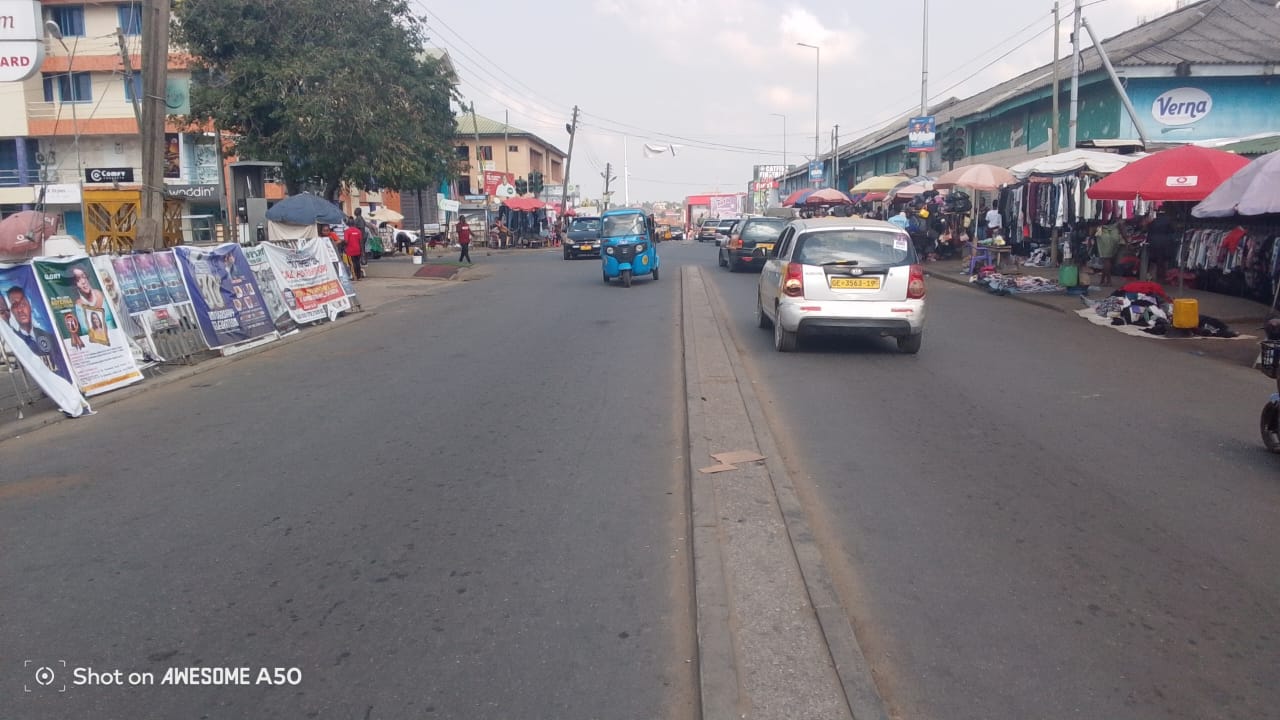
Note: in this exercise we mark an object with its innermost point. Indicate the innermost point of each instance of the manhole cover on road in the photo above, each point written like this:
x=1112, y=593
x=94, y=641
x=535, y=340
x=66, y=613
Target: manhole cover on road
x=445, y=272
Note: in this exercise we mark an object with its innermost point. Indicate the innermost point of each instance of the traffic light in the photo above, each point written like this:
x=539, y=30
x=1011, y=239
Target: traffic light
x=954, y=144
x=535, y=182
x=909, y=159
x=522, y=187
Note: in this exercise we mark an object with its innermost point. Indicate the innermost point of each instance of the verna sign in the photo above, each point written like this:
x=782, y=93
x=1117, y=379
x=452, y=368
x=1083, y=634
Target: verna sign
x=21, y=39
x=1182, y=106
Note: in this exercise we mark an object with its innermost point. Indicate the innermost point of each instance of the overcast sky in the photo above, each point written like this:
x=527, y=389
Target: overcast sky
x=708, y=74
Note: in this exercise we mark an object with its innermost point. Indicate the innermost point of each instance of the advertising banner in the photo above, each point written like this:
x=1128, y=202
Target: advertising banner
x=228, y=302
x=277, y=308
x=493, y=179
x=111, y=286
x=725, y=205
x=922, y=134
x=308, y=279
x=95, y=345
x=24, y=310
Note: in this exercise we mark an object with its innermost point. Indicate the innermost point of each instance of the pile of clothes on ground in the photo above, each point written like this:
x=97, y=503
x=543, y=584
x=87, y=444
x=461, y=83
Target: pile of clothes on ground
x=1146, y=305
x=1000, y=284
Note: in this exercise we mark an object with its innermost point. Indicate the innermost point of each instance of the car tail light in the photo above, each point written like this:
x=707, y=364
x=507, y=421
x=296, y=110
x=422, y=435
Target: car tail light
x=793, y=280
x=915, y=285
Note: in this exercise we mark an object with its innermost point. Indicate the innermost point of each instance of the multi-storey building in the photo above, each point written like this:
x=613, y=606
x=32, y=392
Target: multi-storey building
x=502, y=148
x=71, y=141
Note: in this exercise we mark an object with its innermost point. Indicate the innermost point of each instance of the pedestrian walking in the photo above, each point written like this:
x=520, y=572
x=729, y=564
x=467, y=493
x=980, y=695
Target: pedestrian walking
x=354, y=247
x=464, y=241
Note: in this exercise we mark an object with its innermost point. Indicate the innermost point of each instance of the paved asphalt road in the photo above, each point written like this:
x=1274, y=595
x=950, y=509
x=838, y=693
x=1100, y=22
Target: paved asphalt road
x=468, y=506
x=1036, y=517
x=471, y=506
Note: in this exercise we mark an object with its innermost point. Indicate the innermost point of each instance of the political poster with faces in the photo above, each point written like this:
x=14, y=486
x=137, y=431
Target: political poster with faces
x=222, y=287
x=95, y=345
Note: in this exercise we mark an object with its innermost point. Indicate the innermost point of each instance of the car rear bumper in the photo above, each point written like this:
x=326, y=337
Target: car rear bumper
x=889, y=319
x=748, y=257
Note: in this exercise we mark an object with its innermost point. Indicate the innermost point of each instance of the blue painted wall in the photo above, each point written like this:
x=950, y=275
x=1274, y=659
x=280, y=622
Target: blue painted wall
x=1241, y=106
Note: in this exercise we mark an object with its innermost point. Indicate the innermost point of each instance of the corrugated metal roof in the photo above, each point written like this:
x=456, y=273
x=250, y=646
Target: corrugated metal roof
x=1211, y=32
x=1254, y=147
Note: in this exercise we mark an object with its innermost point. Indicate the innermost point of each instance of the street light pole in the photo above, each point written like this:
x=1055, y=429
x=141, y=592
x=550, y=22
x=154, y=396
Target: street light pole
x=784, y=140
x=924, y=85
x=817, y=88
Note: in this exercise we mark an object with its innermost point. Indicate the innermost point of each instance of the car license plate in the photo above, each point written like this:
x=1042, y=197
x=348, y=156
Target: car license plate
x=867, y=283
x=764, y=247
x=584, y=247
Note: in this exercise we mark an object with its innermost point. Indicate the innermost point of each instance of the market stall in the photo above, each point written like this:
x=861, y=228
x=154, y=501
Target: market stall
x=1049, y=202
x=1232, y=241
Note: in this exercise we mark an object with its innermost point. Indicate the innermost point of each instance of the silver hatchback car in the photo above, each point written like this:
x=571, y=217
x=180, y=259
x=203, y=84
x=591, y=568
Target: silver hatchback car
x=842, y=276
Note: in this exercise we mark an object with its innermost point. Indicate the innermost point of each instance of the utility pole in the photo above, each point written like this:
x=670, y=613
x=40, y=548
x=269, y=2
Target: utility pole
x=1055, y=140
x=835, y=165
x=155, y=70
x=1075, y=80
x=506, y=142
x=564, y=189
x=626, y=172
x=608, y=178
x=127, y=63
x=475, y=127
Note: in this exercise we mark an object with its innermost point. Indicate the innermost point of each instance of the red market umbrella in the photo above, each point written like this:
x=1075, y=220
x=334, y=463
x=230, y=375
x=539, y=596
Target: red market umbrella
x=23, y=233
x=524, y=204
x=826, y=196
x=1188, y=173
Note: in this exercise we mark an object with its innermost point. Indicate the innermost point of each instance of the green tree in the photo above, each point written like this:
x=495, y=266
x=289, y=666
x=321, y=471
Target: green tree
x=337, y=91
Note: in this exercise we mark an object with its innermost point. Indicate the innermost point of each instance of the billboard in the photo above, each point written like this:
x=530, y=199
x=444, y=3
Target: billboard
x=922, y=134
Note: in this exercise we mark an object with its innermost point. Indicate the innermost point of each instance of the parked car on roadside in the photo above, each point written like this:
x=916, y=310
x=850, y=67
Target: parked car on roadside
x=582, y=238
x=749, y=242
x=842, y=276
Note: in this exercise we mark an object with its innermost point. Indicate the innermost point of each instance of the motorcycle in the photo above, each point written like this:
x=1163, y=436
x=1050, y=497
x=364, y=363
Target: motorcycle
x=1269, y=423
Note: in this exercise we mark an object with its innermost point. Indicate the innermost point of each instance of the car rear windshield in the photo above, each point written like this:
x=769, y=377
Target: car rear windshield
x=623, y=225
x=762, y=230
x=585, y=224
x=854, y=247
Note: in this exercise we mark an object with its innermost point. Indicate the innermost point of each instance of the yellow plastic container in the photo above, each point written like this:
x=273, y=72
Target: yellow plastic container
x=1186, y=313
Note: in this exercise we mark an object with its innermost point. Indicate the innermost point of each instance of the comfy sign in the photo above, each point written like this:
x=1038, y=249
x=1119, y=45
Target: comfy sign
x=1182, y=106
x=21, y=40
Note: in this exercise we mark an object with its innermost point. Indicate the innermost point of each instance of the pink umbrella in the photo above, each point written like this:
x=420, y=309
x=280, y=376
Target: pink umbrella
x=826, y=196
x=976, y=177
x=23, y=233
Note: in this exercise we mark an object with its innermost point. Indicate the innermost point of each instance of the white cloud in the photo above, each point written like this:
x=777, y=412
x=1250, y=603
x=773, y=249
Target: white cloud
x=780, y=97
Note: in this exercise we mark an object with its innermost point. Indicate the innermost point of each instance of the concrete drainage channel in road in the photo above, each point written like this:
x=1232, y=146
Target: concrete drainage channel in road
x=774, y=640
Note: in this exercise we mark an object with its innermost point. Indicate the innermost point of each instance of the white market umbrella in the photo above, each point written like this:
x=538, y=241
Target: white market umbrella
x=1253, y=190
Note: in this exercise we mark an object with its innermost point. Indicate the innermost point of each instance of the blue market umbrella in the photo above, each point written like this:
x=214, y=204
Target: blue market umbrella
x=305, y=209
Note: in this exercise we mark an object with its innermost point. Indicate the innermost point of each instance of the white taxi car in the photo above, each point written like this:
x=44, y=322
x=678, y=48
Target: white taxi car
x=842, y=276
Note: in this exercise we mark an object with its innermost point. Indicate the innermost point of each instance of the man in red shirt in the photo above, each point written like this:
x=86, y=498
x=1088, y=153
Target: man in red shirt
x=464, y=241
x=354, y=239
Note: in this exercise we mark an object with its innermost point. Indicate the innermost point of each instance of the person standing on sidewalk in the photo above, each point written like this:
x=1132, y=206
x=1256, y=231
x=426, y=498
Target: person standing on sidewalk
x=354, y=247
x=464, y=241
